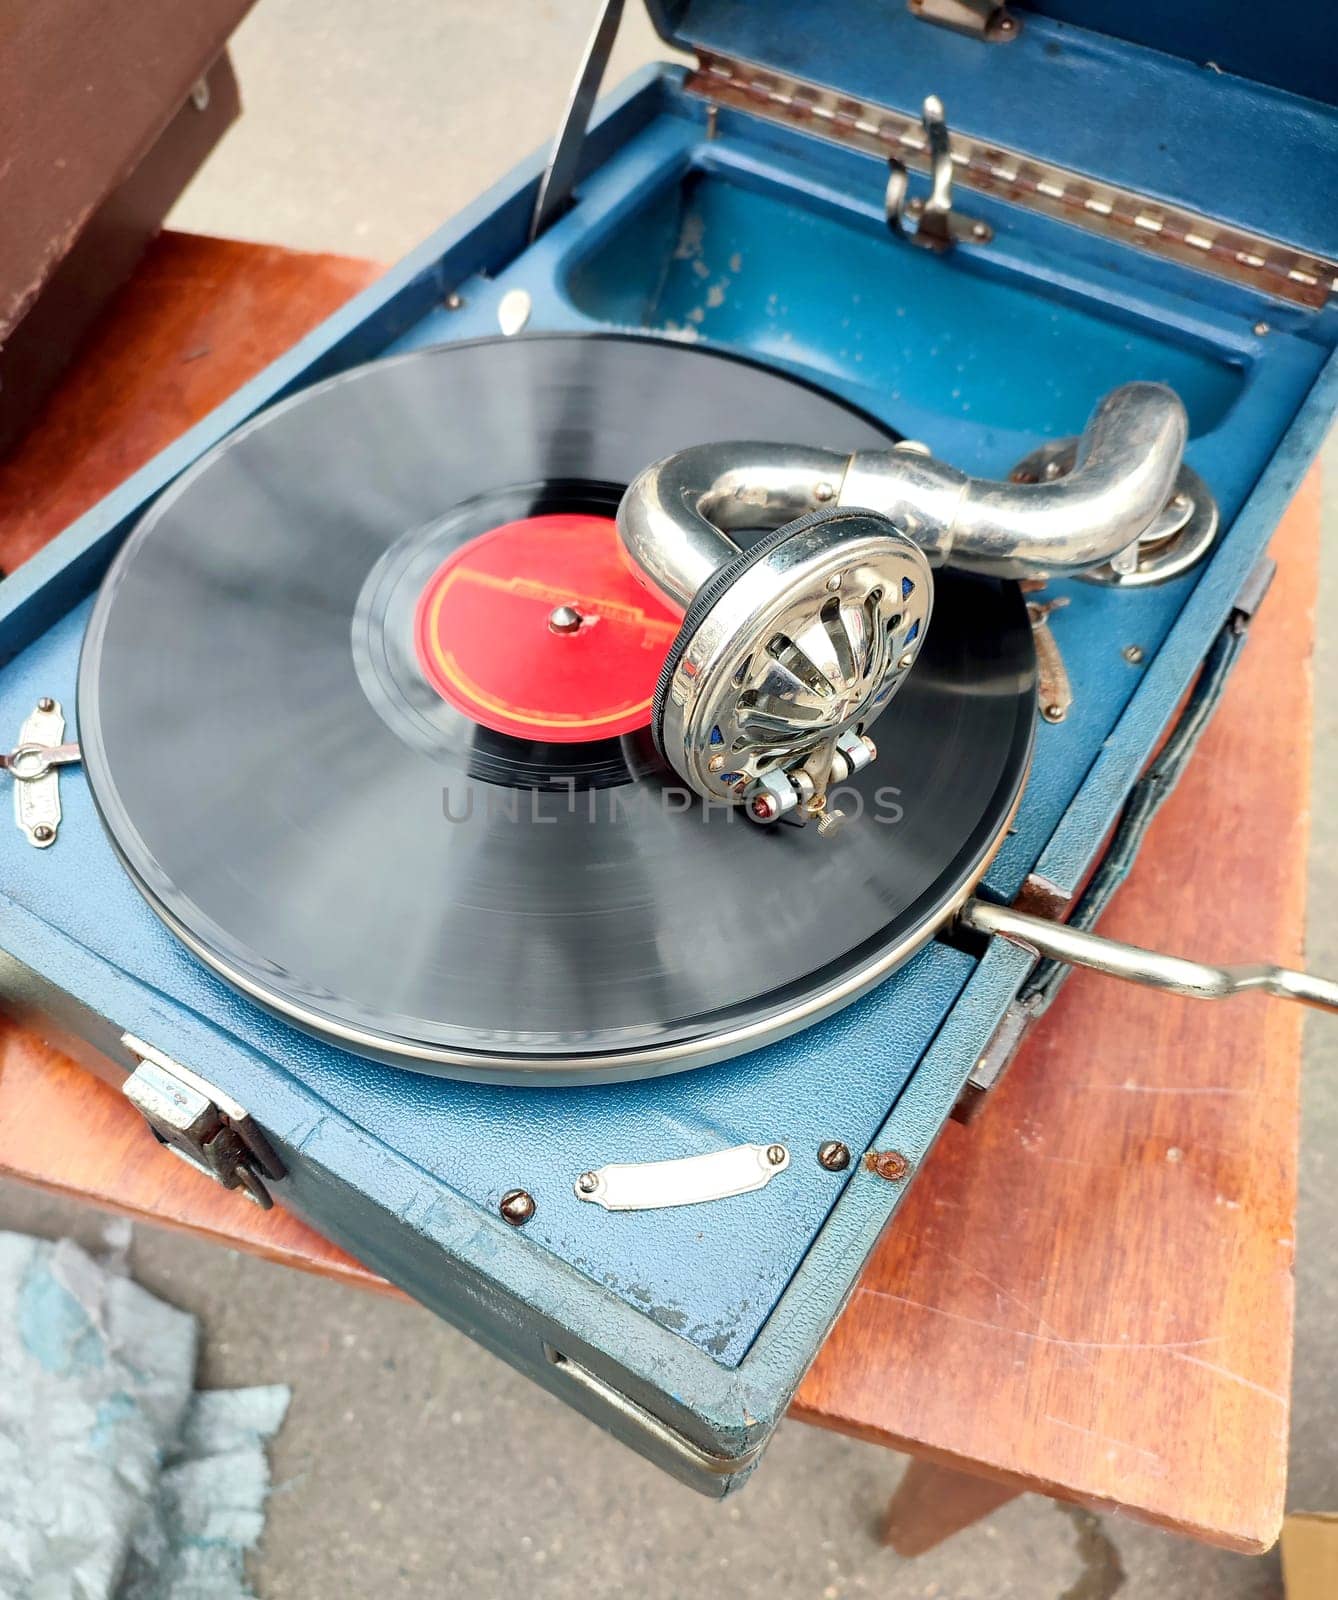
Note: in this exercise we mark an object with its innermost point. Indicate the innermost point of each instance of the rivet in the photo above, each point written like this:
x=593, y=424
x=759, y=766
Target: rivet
x=776, y=1154
x=1261, y=328
x=46, y=703
x=834, y=582
x=44, y=832
x=517, y=1207
x=980, y=230
x=1053, y=713
x=889, y=1164
x=716, y=763
x=906, y=660
x=587, y=1183
x=833, y=1155
x=1133, y=654
x=824, y=491
x=454, y=301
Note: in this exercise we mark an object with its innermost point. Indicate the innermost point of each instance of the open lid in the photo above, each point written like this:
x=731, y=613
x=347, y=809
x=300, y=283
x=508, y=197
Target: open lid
x=1213, y=105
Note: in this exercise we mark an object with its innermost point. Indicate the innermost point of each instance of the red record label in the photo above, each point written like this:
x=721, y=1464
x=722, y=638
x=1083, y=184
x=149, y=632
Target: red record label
x=496, y=635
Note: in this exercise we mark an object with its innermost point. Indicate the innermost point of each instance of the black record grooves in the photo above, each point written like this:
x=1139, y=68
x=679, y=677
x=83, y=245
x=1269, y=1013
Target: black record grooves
x=317, y=825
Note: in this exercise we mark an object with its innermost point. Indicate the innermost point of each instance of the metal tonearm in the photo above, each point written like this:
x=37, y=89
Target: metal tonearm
x=676, y=518
x=790, y=649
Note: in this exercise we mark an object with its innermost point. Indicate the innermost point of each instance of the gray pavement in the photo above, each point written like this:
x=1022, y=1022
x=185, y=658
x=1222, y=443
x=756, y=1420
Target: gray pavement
x=412, y=1463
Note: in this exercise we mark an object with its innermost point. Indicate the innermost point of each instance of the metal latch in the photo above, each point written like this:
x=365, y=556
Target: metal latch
x=34, y=765
x=981, y=19
x=199, y=1123
x=930, y=222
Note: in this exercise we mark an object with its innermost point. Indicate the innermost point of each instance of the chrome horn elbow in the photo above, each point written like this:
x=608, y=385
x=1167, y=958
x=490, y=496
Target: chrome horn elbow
x=791, y=649
x=1072, y=508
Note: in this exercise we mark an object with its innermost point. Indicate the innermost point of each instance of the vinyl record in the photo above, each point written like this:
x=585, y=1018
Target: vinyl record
x=354, y=750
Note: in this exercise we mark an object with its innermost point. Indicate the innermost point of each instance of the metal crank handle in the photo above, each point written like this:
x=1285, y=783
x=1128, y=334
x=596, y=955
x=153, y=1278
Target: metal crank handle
x=1174, y=974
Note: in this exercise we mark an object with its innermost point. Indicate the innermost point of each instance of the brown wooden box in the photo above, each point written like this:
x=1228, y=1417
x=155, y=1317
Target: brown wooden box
x=106, y=113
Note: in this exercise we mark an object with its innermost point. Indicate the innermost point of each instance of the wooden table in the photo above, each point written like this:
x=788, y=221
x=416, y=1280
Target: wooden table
x=1088, y=1293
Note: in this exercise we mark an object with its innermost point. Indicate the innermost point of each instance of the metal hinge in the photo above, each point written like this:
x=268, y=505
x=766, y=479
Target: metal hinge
x=1170, y=232
x=199, y=1123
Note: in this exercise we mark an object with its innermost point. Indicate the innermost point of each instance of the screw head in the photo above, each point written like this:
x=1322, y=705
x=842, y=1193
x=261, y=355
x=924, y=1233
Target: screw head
x=834, y=582
x=587, y=1183
x=981, y=231
x=889, y=1164
x=44, y=833
x=907, y=660
x=454, y=301
x=1053, y=713
x=776, y=1154
x=824, y=491
x=517, y=1207
x=1261, y=328
x=830, y=821
x=1133, y=654
x=46, y=703
x=833, y=1155
x=765, y=807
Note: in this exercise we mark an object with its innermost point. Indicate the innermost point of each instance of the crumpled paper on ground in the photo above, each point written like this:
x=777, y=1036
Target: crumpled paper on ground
x=117, y=1480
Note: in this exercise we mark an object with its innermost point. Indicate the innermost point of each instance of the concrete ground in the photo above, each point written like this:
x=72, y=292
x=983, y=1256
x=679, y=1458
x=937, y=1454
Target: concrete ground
x=411, y=1463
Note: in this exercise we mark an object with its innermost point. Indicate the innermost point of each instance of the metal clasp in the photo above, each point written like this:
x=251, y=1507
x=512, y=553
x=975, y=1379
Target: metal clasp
x=33, y=764
x=200, y=1124
x=979, y=19
x=930, y=222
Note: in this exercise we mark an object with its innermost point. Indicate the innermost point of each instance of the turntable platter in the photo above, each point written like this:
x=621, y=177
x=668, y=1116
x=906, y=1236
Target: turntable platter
x=355, y=752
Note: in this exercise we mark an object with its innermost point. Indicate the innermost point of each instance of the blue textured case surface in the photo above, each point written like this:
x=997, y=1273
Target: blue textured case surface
x=686, y=1331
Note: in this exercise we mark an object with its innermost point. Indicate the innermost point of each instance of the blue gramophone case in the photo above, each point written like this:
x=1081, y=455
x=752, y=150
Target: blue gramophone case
x=1149, y=192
